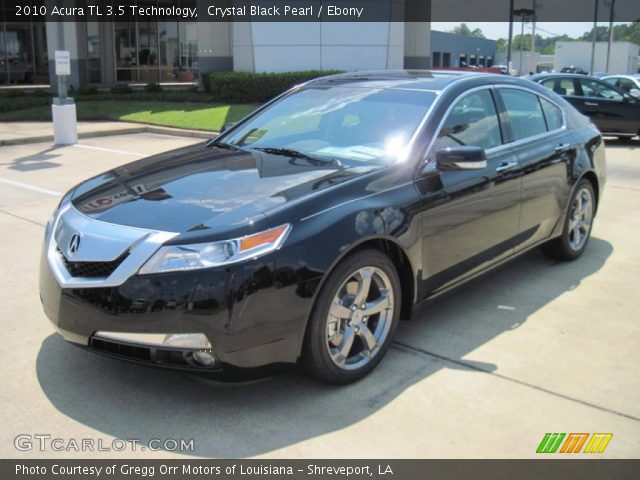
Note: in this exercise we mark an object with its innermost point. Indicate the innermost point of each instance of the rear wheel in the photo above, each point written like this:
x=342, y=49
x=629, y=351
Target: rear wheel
x=354, y=319
x=577, y=225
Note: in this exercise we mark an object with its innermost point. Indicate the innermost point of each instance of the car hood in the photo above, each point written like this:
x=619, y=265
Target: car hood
x=200, y=187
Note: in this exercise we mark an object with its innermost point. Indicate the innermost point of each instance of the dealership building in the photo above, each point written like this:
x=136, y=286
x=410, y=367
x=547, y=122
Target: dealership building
x=107, y=53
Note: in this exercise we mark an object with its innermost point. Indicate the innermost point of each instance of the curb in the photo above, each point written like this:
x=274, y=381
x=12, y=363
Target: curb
x=176, y=132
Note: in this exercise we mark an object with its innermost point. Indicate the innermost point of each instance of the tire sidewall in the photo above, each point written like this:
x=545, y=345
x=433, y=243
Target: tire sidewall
x=566, y=245
x=316, y=355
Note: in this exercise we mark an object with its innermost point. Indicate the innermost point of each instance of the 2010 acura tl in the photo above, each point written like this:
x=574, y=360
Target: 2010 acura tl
x=305, y=232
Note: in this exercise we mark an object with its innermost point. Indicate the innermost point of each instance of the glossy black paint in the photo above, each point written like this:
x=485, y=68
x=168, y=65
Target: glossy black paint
x=440, y=227
x=610, y=116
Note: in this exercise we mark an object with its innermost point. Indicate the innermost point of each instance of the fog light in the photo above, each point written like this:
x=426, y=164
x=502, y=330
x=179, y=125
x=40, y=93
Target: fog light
x=187, y=340
x=203, y=358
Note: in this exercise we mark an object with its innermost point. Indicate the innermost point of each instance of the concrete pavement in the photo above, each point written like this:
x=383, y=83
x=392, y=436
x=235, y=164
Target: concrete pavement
x=535, y=347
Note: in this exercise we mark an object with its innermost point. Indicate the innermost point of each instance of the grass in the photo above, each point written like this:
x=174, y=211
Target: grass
x=170, y=114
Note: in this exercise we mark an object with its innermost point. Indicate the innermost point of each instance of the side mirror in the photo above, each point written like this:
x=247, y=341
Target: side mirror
x=461, y=158
x=227, y=126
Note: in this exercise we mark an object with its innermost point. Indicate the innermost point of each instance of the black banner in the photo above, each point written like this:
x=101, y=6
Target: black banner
x=322, y=469
x=316, y=10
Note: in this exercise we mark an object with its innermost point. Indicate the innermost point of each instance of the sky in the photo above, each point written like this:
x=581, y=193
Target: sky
x=495, y=30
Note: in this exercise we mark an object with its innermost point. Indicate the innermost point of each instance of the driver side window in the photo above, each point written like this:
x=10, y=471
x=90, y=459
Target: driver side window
x=597, y=89
x=473, y=121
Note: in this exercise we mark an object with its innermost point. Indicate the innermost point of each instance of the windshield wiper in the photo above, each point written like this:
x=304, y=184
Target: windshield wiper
x=289, y=152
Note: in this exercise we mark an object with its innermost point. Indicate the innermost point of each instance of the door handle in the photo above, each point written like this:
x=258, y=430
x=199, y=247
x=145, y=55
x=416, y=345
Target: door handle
x=506, y=166
x=562, y=147
x=591, y=104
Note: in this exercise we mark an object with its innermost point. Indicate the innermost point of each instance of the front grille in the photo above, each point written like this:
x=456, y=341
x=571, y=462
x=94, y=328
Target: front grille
x=166, y=357
x=91, y=269
x=130, y=351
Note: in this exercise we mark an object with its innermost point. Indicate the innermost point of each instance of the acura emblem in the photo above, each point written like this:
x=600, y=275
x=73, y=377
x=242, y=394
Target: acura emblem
x=74, y=243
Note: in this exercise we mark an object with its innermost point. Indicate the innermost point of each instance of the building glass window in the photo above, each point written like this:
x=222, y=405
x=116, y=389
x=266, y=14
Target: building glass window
x=93, y=52
x=23, y=52
x=126, y=51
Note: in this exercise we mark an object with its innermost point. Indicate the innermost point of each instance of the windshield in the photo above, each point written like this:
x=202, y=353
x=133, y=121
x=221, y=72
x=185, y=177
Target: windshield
x=349, y=124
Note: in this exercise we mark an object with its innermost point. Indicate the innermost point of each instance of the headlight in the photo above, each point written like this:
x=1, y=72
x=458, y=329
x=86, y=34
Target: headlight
x=204, y=255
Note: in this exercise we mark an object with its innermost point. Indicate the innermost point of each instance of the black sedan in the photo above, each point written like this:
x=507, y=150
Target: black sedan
x=614, y=111
x=307, y=231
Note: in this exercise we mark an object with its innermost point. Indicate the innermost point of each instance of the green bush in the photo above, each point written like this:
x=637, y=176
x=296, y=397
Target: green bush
x=86, y=90
x=245, y=87
x=10, y=103
x=121, y=89
x=152, y=87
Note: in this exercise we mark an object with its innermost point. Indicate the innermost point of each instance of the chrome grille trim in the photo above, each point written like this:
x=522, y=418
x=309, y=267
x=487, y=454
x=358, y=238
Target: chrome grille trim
x=116, y=240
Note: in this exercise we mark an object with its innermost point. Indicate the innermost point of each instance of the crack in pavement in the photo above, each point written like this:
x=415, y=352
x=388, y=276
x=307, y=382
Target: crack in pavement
x=402, y=346
x=22, y=218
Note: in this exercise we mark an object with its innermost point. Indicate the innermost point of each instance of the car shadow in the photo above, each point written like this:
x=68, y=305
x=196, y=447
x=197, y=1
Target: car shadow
x=130, y=401
x=626, y=143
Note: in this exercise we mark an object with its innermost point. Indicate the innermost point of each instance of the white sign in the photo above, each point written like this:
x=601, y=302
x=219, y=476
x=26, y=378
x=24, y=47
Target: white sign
x=63, y=62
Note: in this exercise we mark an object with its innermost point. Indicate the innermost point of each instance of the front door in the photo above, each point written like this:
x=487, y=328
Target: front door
x=470, y=217
x=608, y=108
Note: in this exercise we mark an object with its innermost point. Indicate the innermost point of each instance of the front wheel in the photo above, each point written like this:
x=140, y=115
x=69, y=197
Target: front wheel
x=577, y=225
x=355, y=317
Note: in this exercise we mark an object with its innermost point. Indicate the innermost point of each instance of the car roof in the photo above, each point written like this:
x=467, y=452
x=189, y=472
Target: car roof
x=634, y=77
x=425, y=80
x=540, y=76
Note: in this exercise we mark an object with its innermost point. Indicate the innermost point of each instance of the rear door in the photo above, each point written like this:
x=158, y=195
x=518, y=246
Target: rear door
x=544, y=149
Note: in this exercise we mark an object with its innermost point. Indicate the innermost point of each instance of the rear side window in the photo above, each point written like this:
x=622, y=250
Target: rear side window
x=524, y=112
x=552, y=114
x=472, y=121
x=562, y=86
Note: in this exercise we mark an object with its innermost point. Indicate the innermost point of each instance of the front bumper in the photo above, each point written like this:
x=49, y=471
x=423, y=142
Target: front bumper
x=240, y=309
x=239, y=312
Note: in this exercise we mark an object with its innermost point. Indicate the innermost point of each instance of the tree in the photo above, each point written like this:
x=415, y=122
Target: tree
x=628, y=32
x=602, y=34
x=463, y=29
x=545, y=46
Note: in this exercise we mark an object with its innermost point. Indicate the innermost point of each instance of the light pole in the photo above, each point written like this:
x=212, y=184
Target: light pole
x=523, y=13
x=611, y=5
x=509, y=41
x=594, y=37
x=536, y=4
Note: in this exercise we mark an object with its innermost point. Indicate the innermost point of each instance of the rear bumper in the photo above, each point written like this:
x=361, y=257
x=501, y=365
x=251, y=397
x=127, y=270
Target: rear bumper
x=239, y=310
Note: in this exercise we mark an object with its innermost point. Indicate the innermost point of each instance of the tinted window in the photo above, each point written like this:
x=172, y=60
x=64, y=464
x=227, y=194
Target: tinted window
x=625, y=84
x=552, y=114
x=524, y=112
x=562, y=86
x=367, y=125
x=597, y=89
x=472, y=121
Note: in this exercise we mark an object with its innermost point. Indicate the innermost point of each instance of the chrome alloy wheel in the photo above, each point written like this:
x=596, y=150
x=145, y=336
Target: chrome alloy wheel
x=580, y=219
x=360, y=318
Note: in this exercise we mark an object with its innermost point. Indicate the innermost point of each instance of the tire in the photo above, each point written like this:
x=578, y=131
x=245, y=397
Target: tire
x=342, y=343
x=576, y=231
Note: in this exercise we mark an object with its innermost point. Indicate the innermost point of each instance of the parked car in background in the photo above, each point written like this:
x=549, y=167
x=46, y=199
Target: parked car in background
x=308, y=230
x=614, y=111
x=628, y=83
x=573, y=69
x=600, y=74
